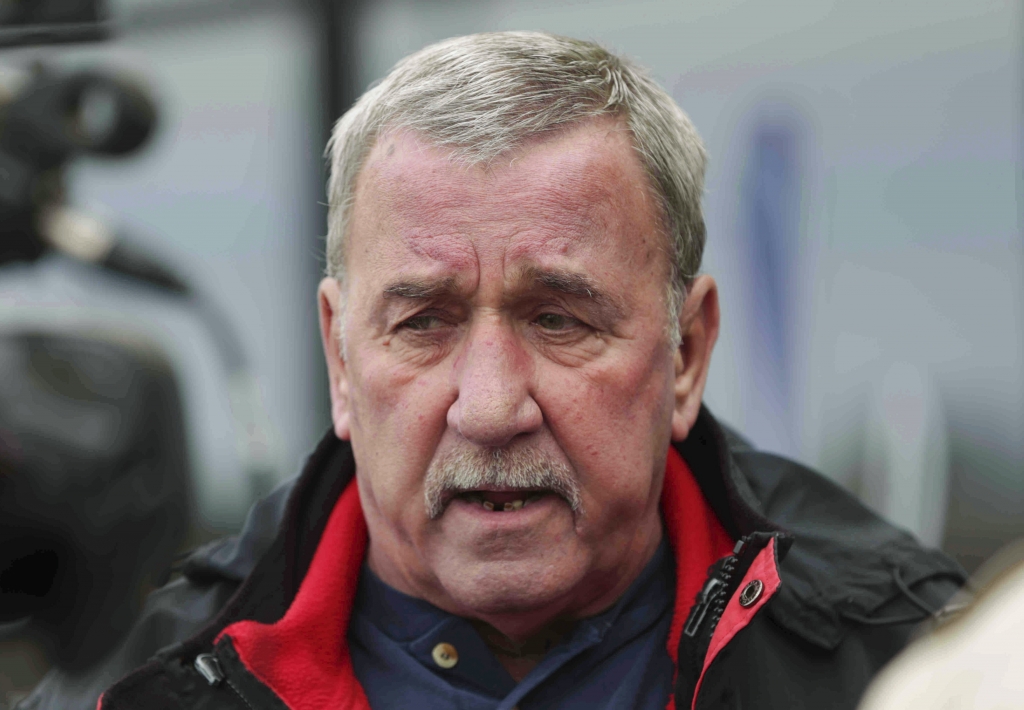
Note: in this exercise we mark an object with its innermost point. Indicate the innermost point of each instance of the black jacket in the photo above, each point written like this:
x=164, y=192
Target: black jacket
x=853, y=589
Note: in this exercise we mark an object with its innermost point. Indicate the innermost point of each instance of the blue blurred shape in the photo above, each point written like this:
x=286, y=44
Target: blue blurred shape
x=771, y=197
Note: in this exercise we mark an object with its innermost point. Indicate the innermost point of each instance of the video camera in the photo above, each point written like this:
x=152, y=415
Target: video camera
x=94, y=475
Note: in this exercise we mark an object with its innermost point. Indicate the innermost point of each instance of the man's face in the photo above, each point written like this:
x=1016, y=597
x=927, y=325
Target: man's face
x=514, y=313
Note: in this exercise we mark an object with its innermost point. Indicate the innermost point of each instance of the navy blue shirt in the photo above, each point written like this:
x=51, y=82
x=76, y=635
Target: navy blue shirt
x=614, y=660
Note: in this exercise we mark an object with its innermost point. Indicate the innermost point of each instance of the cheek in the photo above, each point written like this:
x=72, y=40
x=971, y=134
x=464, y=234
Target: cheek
x=398, y=418
x=392, y=393
x=614, y=424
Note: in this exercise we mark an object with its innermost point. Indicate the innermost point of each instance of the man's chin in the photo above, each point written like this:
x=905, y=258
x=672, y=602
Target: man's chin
x=508, y=588
x=481, y=588
x=496, y=563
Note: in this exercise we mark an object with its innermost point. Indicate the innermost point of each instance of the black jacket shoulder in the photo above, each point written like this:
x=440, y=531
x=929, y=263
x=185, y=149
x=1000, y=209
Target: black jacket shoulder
x=173, y=613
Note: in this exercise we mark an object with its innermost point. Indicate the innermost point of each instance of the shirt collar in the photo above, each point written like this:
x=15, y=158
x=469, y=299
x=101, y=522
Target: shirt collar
x=406, y=619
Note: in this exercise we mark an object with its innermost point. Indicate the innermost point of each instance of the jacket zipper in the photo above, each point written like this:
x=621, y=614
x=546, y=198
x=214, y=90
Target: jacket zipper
x=724, y=578
x=703, y=619
x=714, y=595
x=209, y=667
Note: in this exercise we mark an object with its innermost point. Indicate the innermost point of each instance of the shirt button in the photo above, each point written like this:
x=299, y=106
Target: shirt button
x=445, y=655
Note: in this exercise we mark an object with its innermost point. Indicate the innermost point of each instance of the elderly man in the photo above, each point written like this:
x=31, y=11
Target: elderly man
x=522, y=502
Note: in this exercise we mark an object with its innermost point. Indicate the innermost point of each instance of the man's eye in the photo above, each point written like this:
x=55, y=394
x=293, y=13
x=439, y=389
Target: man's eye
x=421, y=322
x=556, y=321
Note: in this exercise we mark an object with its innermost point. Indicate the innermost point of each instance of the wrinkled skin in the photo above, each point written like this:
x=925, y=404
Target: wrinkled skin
x=519, y=305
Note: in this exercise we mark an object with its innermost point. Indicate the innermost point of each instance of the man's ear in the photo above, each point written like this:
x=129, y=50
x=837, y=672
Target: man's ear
x=329, y=303
x=698, y=323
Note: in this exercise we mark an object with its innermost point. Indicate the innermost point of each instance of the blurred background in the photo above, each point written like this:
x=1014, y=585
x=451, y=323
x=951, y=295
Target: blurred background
x=863, y=224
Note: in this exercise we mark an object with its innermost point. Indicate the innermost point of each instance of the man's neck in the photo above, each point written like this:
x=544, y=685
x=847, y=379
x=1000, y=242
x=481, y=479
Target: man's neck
x=520, y=658
x=521, y=654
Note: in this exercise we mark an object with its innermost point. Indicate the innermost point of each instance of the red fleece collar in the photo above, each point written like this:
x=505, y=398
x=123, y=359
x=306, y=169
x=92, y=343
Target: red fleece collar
x=304, y=659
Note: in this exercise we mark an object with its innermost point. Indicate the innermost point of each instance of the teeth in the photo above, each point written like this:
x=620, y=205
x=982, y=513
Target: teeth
x=509, y=507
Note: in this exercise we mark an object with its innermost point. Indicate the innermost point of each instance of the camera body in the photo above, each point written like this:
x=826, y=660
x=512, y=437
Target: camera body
x=94, y=484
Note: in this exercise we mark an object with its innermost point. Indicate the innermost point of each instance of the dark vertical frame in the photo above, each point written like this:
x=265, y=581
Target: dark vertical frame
x=338, y=21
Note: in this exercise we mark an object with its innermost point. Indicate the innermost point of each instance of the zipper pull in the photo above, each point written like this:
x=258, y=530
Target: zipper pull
x=721, y=574
x=707, y=595
x=209, y=667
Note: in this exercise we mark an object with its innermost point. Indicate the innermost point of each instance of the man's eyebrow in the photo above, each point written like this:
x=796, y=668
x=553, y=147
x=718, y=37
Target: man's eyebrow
x=569, y=283
x=421, y=288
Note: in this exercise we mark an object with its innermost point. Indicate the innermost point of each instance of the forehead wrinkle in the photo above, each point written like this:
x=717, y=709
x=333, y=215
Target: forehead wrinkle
x=554, y=219
x=407, y=191
x=538, y=203
x=427, y=213
x=384, y=211
x=454, y=252
x=578, y=211
x=422, y=182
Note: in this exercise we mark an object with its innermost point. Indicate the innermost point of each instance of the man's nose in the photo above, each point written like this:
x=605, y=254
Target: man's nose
x=493, y=376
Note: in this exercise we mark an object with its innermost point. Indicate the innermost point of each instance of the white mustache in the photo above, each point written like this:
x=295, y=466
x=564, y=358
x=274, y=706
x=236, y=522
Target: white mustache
x=518, y=469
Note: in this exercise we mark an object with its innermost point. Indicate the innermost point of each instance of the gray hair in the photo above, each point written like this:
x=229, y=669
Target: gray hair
x=483, y=95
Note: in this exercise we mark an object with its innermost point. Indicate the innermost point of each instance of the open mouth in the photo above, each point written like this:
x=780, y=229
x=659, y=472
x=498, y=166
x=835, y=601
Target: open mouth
x=502, y=501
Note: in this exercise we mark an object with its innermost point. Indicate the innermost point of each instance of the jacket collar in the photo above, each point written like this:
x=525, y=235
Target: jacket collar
x=844, y=558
